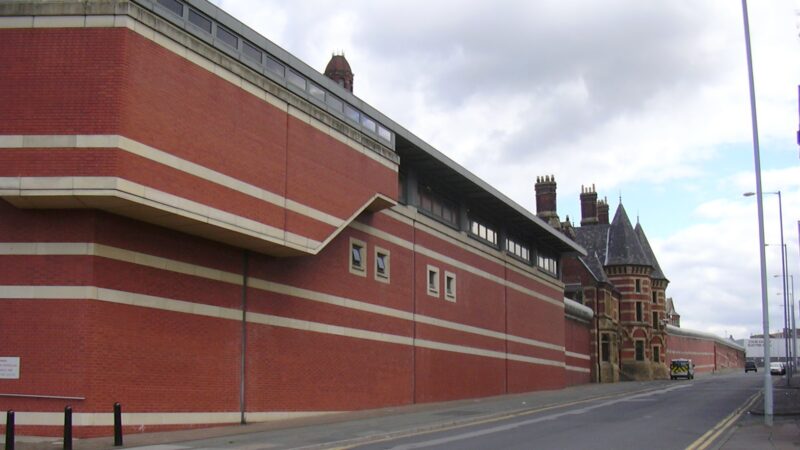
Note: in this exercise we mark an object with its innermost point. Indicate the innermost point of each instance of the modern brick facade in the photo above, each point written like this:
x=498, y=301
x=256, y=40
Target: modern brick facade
x=205, y=242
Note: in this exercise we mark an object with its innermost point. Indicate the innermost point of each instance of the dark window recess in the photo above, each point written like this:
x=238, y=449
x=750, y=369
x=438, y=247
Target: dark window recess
x=251, y=51
x=173, y=6
x=655, y=319
x=200, y=20
x=401, y=188
x=275, y=67
x=656, y=354
x=227, y=36
x=639, y=315
x=436, y=206
x=605, y=348
x=640, y=350
x=357, y=256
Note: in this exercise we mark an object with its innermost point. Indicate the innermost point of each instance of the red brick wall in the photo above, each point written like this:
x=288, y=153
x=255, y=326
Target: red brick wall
x=578, y=340
x=152, y=359
x=118, y=82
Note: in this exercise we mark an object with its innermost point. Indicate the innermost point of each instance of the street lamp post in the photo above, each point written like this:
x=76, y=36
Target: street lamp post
x=762, y=254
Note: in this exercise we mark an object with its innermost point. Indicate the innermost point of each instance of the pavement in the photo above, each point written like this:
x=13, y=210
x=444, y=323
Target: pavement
x=745, y=431
x=751, y=433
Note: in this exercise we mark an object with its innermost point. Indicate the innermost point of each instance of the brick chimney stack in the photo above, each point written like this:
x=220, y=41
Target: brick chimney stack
x=546, y=199
x=602, y=211
x=588, y=206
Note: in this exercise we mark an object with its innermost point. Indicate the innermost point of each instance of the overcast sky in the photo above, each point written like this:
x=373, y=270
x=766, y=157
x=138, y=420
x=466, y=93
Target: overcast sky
x=648, y=101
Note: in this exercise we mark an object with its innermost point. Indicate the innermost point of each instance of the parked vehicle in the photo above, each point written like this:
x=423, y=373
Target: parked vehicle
x=681, y=368
x=777, y=368
x=750, y=366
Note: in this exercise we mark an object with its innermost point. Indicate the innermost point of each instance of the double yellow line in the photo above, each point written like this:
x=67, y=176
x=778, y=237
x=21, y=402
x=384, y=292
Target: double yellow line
x=711, y=435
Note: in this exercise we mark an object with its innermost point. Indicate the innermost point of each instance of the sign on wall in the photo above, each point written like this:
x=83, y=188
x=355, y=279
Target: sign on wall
x=9, y=367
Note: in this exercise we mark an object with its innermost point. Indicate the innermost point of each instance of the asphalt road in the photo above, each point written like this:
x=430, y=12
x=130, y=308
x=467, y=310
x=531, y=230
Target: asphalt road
x=632, y=415
x=671, y=417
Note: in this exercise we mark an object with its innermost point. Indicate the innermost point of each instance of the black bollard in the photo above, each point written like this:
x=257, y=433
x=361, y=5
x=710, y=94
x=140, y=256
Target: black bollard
x=117, y=425
x=68, y=428
x=10, y=430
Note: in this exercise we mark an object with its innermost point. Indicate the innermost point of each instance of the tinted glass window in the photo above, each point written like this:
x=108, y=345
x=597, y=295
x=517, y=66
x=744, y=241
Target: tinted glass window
x=251, y=51
x=275, y=67
x=316, y=92
x=334, y=102
x=296, y=80
x=200, y=20
x=227, y=37
x=172, y=5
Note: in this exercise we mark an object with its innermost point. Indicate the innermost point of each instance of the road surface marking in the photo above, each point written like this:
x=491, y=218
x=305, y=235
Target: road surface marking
x=711, y=435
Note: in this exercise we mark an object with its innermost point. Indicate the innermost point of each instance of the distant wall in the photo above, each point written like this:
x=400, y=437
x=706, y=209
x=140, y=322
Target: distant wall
x=709, y=352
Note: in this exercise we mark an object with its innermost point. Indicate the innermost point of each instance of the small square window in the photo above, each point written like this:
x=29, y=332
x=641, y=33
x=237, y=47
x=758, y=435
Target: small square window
x=450, y=286
x=358, y=257
x=433, y=281
x=382, y=264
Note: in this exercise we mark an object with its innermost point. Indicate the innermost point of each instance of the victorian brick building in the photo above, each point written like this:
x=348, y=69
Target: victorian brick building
x=620, y=279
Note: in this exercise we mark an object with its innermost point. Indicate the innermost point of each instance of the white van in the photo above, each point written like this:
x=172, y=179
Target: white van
x=681, y=368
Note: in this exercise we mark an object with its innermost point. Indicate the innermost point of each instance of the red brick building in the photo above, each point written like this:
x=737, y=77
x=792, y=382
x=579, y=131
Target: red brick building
x=201, y=227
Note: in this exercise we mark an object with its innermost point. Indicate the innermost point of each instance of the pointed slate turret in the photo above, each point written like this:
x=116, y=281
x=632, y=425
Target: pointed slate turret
x=624, y=248
x=593, y=239
x=657, y=274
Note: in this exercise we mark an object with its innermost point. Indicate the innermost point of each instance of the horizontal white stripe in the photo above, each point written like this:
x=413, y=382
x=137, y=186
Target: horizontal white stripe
x=78, y=142
x=156, y=262
x=154, y=419
x=182, y=306
x=578, y=369
x=577, y=355
x=96, y=187
x=677, y=353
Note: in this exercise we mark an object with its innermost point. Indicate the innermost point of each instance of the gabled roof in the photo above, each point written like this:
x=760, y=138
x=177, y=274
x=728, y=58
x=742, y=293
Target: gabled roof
x=657, y=273
x=624, y=247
